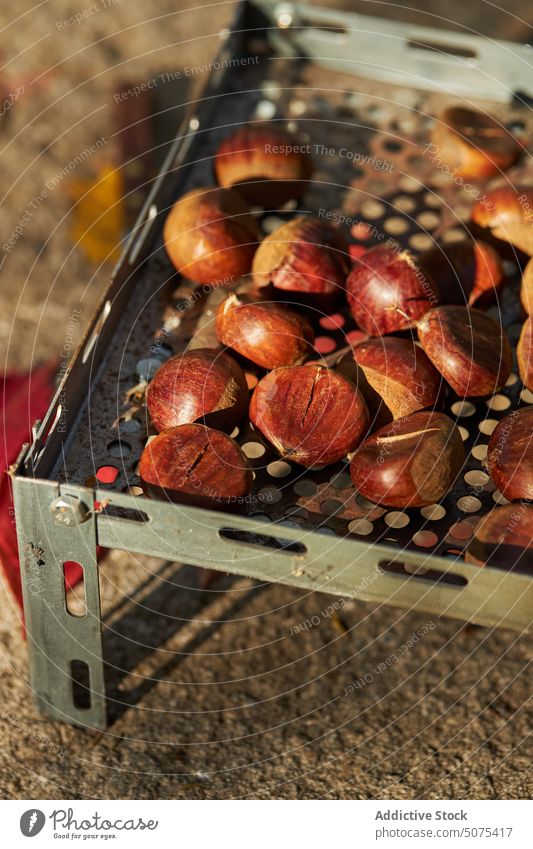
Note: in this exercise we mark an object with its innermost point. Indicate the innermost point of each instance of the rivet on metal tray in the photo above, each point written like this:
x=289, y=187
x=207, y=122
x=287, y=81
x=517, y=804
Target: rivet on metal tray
x=68, y=510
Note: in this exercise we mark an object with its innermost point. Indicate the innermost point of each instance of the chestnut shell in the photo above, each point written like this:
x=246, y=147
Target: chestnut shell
x=524, y=354
x=469, y=348
x=266, y=333
x=507, y=212
x=503, y=539
x=526, y=288
x=510, y=455
x=395, y=377
x=266, y=164
x=474, y=143
x=412, y=462
x=210, y=235
x=311, y=414
x=388, y=291
x=304, y=255
x=196, y=465
x=200, y=384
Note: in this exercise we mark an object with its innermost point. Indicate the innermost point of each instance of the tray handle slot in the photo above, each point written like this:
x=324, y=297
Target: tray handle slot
x=443, y=49
x=258, y=540
x=432, y=576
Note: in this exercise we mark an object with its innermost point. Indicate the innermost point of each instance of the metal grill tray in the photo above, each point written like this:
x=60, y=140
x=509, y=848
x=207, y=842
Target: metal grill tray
x=307, y=528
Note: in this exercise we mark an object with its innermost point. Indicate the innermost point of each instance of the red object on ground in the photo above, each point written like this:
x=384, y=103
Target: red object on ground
x=25, y=398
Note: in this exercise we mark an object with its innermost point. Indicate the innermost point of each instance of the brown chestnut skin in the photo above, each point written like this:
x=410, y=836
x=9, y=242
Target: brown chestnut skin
x=304, y=256
x=210, y=235
x=464, y=273
x=196, y=465
x=468, y=347
x=503, y=539
x=395, y=377
x=510, y=455
x=387, y=291
x=199, y=385
x=524, y=354
x=526, y=288
x=268, y=334
x=412, y=462
x=267, y=165
x=311, y=414
x=507, y=212
x=474, y=144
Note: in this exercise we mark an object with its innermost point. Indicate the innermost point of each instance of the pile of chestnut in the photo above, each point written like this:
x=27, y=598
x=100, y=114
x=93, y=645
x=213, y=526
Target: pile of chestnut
x=379, y=405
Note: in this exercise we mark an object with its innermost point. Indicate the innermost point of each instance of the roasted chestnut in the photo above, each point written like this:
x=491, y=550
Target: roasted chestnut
x=503, y=539
x=395, y=377
x=508, y=214
x=211, y=236
x=199, y=385
x=304, y=256
x=472, y=143
x=412, y=462
x=311, y=414
x=193, y=464
x=266, y=164
x=469, y=348
x=464, y=273
x=388, y=291
x=524, y=354
x=526, y=288
x=510, y=455
x=264, y=332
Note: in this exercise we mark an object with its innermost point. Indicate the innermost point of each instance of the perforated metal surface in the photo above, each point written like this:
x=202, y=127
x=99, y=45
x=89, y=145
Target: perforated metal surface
x=368, y=142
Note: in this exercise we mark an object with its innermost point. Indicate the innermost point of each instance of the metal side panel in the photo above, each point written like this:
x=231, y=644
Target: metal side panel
x=47, y=539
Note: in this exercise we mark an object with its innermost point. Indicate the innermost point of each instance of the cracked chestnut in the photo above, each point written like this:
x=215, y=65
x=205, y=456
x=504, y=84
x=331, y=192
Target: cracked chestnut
x=211, y=236
x=388, y=291
x=524, y=354
x=311, y=414
x=412, y=462
x=199, y=385
x=268, y=334
x=267, y=165
x=469, y=348
x=474, y=144
x=526, y=288
x=305, y=256
x=507, y=212
x=194, y=464
x=503, y=539
x=464, y=273
x=510, y=455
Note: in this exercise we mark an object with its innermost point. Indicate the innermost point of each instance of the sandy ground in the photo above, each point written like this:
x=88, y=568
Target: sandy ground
x=223, y=701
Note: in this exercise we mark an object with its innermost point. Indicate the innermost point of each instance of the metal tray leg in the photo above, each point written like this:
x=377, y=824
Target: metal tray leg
x=66, y=662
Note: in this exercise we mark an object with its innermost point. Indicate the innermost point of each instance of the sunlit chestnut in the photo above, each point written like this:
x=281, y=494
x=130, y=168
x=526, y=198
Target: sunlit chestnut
x=526, y=288
x=311, y=414
x=265, y=163
x=210, y=235
x=507, y=213
x=412, y=462
x=305, y=256
x=395, y=377
x=503, y=539
x=469, y=348
x=524, y=354
x=264, y=332
x=510, y=455
x=194, y=464
x=464, y=273
x=199, y=385
x=388, y=291
x=473, y=144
